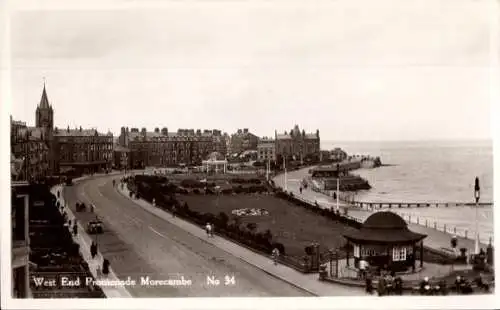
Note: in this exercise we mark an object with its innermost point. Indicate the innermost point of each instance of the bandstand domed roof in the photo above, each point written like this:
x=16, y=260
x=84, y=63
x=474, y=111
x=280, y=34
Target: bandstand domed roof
x=215, y=156
x=385, y=220
x=384, y=228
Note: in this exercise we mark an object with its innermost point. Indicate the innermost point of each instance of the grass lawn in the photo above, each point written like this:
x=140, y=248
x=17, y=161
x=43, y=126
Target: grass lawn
x=293, y=226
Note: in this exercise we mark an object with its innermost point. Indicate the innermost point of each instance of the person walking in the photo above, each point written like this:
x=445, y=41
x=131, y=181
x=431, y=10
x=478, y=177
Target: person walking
x=75, y=229
x=208, y=229
x=275, y=255
x=93, y=249
x=300, y=189
x=174, y=210
x=363, y=265
x=105, y=267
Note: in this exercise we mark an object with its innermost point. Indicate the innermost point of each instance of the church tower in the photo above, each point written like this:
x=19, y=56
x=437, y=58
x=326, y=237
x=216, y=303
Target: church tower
x=44, y=119
x=45, y=116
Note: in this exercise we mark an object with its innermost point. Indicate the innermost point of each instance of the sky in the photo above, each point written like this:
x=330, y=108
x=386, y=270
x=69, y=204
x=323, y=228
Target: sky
x=356, y=70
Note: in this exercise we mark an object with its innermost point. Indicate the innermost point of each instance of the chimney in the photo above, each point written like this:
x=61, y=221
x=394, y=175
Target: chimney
x=164, y=131
x=80, y=128
x=68, y=128
x=157, y=130
x=245, y=130
x=143, y=130
x=239, y=131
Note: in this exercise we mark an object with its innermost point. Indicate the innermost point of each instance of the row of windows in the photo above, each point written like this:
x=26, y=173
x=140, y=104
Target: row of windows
x=398, y=253
x=88, y=140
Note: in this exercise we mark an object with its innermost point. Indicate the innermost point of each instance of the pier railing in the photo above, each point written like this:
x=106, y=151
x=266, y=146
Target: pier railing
x=444, y=227
x=394, y=205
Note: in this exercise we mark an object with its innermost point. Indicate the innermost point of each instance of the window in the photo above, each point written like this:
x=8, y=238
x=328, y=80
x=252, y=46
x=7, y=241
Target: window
x=356, y=250
x=398, y=254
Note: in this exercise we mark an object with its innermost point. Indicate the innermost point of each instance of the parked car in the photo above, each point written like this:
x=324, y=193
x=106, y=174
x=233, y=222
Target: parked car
x=95, y=227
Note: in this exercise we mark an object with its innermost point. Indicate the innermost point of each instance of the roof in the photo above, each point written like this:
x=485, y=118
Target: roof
x=384, y=227
x=44, y=101
x=120, y=148
x=385, y=220
x=77, y=132
x=283, y=136
x=215, y=156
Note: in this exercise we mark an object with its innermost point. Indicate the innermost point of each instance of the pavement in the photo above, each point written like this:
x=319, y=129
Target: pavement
x=437, y=240
x=141, y=240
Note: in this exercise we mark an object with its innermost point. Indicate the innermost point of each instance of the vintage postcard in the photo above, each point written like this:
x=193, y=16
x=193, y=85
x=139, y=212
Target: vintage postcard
x=249, y=154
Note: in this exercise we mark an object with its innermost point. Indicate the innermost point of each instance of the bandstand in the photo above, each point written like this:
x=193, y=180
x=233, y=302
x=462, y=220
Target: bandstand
x=214, y=163
x=385, y=241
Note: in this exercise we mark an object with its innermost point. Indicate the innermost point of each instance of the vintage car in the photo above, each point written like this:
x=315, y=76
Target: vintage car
x=95, y=227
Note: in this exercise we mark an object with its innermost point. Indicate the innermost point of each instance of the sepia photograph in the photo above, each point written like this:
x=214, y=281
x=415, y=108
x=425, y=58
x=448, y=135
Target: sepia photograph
x=232, y=152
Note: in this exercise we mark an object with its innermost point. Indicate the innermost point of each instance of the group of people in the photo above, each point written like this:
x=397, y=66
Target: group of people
x=388, y=283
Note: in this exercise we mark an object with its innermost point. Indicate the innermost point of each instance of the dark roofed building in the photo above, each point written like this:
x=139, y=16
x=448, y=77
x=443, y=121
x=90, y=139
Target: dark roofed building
x=83, y=150
x=384, y=240
x=162, y=148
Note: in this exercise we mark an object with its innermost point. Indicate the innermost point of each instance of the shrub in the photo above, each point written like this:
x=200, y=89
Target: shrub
x=223, y=219
x=251, y=227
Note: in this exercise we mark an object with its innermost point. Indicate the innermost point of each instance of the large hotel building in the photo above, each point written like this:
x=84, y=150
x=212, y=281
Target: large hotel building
x=298, y=145
x=161, y=148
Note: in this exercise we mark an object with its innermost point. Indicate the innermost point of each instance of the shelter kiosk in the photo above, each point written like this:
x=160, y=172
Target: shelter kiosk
x=385, y=241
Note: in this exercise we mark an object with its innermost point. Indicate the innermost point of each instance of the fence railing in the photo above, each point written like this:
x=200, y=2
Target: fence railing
x=448, y=228
x=394, y=205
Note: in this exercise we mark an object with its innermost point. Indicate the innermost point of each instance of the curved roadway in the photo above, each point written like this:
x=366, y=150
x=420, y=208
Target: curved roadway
x=140, y=244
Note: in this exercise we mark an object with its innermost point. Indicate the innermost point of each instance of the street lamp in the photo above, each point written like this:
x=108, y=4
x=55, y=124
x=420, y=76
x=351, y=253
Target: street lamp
x=477, y=190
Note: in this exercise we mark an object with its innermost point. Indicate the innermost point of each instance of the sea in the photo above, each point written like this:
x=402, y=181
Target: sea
x=430, y=171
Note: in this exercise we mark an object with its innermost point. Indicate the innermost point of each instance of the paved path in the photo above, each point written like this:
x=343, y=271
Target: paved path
x=144, y=240
x=437, y=240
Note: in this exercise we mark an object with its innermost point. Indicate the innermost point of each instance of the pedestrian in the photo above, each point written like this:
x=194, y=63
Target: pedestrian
x=381, y=286
x=300, y=189
x=93, y=249
x=75, y=229
x=363, y=265
x=208, y=229
x=275, y=255
x=212, y=228
x=105, y=267
x=368, y=285
x=174, y=210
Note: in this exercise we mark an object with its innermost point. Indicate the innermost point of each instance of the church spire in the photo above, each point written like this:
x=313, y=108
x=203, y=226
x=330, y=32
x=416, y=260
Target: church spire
x=44, y=102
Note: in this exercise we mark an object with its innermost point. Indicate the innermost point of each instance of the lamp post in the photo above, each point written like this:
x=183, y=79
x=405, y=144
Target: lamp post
x=477, y=190
x=286, y=179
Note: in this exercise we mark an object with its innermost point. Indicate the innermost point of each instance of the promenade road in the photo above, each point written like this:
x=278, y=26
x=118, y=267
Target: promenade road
x=139, y=243
x=437, y=240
